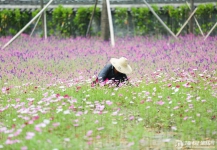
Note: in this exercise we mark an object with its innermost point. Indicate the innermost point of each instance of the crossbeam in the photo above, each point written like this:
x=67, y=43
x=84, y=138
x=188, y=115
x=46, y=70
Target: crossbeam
x=35, y=25
x=186, y=22
x=168, y=29
x=196, y=20
x=210, y=31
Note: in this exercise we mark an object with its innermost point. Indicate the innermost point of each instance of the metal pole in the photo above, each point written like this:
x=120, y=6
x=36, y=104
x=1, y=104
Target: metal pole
x=192, y=21
x=35, y=25
x=45, y=25
x=210, y=31
x=110, y=23
x=186, y=22
x=196, y=21
x=27, y=25
x=91, y=19
x=160, y=19
x=43, y=20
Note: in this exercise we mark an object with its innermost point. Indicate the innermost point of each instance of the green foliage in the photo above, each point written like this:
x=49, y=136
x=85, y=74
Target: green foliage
x=121, y=20
x=82, y=19
x=141, y=20
x=6, y=16
x=65, y=22
x=205, y=14
x=176, y=16
x=11, y=21
x=62, y=20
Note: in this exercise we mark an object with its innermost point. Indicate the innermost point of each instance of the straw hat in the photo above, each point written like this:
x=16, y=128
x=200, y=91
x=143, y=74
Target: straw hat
x=121, y=65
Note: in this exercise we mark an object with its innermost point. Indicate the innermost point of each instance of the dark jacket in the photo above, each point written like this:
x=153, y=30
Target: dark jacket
x=107, y=73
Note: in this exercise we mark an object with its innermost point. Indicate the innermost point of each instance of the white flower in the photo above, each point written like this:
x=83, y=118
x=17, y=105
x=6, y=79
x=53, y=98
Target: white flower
x=115, y=89
x=66, y=112
x=114, y=122
x=140, y=119
x=67, y=139
x=59, y=110
x=173, y=128
x=46, y=121
x=176, y=90
x=1, y=146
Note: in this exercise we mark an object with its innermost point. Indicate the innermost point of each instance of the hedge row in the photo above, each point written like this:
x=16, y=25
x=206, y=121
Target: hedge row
x=138, y=21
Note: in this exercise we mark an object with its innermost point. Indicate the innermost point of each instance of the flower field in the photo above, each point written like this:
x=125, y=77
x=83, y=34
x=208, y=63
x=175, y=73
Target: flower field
x=47, y=102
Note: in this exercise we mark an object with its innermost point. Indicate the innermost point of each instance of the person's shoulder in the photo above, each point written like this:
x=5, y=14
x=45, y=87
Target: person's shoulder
x=109, y=65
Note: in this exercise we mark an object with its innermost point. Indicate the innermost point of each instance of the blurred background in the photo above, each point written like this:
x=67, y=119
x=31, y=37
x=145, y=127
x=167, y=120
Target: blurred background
x=71, y=18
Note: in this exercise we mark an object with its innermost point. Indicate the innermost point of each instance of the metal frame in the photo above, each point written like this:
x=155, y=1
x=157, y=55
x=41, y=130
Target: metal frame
x=186, y=22
x=168, y=29
x=196, y=20
x=27, y=25
x=210, y=31
x=110, y=23
x=35, y=25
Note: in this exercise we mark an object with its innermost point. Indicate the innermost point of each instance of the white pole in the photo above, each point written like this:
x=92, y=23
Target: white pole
x=160, y=19
x=210, y=31
x=35, y=25
x=186, y=22
x=27, y=25
x=45, y=25
x=110, y=23
x=196, y=21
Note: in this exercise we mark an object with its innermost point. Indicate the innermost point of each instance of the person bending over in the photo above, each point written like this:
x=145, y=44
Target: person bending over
x=115, y=71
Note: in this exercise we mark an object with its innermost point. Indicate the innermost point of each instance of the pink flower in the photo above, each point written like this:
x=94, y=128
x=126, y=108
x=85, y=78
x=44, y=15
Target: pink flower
x=130, y=144
x=24, y=148
x=101, y=128
x=203, y=101
x=30, y=99
x=160, y=102
x=30, y=122
x=176, y=107
x=71, y=107
x=108, y=102
x=30, y=135
x=57, y=95
x=35, y=118
x=185, y=118
x=89, y=133
x=66, y=96
x=142, y=101
x=4, y=90
x=56, y=124
x=131, y=117
x=37, y=129
x=9, y=142
x=98, y=136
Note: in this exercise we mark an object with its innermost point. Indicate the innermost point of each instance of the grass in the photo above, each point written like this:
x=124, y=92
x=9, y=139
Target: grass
x=56, y=108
